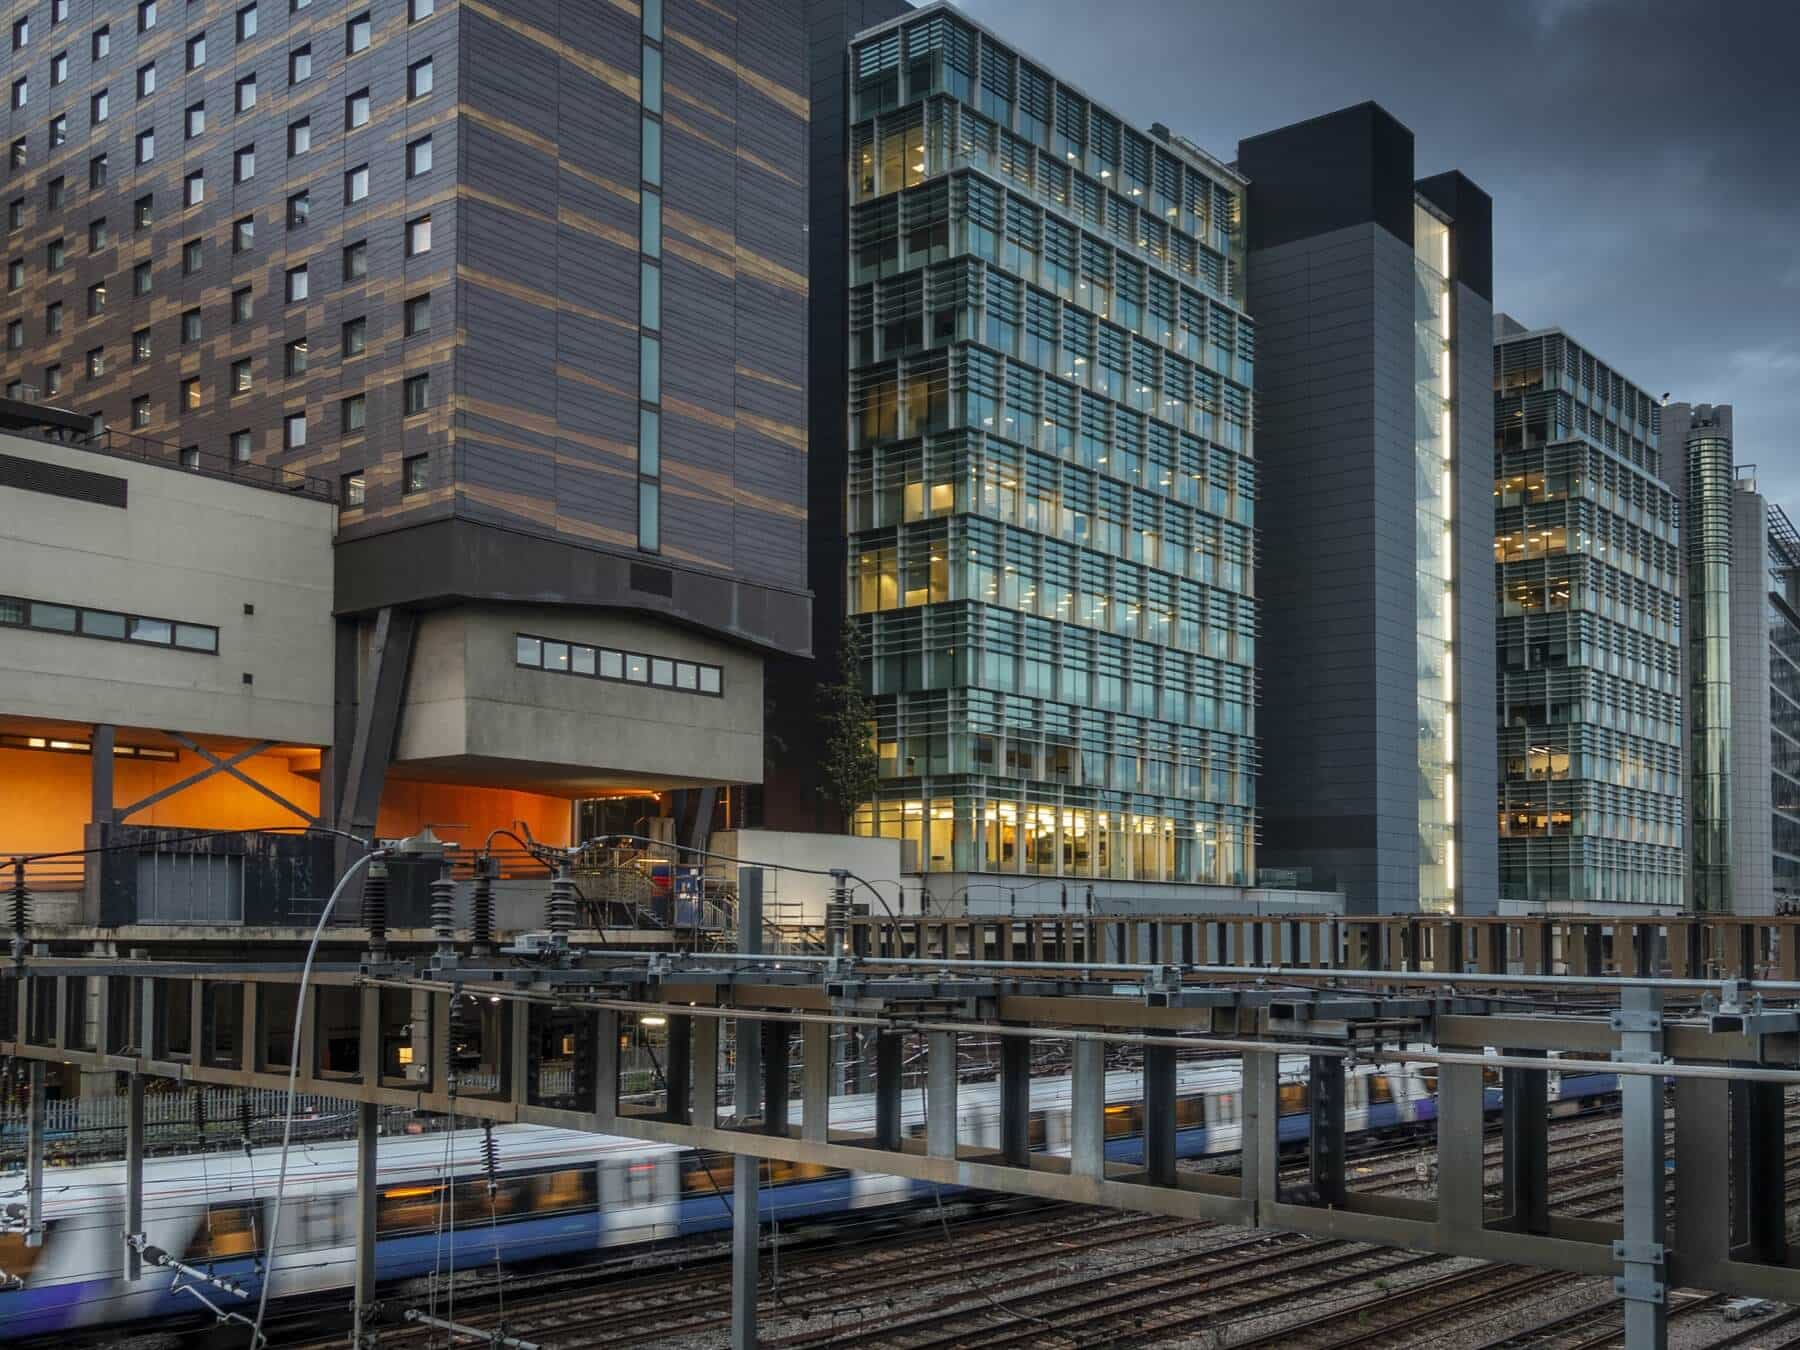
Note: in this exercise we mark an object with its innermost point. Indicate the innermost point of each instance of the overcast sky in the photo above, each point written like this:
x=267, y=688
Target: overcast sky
x=1643, y=155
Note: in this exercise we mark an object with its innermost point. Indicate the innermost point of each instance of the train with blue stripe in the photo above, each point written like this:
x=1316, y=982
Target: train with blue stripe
x=558, y=1193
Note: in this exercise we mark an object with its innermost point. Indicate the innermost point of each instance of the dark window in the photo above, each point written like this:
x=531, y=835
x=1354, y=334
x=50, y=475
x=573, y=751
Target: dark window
x=420, y=9
x=98, y=235
x=418, y=314
x=100, y=45
x=299, y=64
x=144, y=211
x=54, y=192
x=246, y=93
x=140, y=345
x=99, y=107
x=418, y=236
x=190, y=325
x=357, y=33
x=243, y=234
x=418, y=78
x=356, y=110
x=415, y=474
x=241, y=443
x=299, y=209
x=240, y=376
x=146, y=15
x=244, y=164
x=300, y=137
x=355, y=337
x=194, y=187
x=418, y=394
x=96, y=362
x=146, y=80
x=294, y=358
x=293, y=430
x=356, y=184
x=246, y=23
x=196, y=51
x=418, y=157
x=241, y=305
x=351, y=486
x=146, y=148
x=96, y=299
x=196, y=119
x=352, y=415
x=53, y=323
x=296, y=283
x=356, y=260
x=191, y=256
x=141, y=279
x=140, y=411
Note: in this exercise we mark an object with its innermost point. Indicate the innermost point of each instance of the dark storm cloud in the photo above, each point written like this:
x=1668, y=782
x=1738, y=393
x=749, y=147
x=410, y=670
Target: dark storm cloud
x=1643, y=155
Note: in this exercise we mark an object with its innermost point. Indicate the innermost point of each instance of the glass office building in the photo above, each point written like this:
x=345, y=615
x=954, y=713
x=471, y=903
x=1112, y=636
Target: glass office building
x=1050, y=484
x=1587, y=567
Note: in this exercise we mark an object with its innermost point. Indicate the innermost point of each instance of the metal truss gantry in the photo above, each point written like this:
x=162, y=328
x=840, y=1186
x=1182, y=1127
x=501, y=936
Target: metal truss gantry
x=382, y=1032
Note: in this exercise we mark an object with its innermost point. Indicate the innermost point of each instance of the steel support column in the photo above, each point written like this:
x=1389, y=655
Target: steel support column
x=745, y=1172
x=888, y=1082
x=815, y=1081
x=1259, y=1151
x=775, y=1036
x=1640, y=1252
x=940, y=1095
x=705, y=1106
x=1762, y=1146
x=606, y=1064
x=1159, y=1114
x=676, y=1066
x=746, y=1047
x=1459, y=1161
x=134, y=1172
x=34, y=1147
x=1087, y=1110
x=1325, y=1151
x=1015, y=1099
x=1525, y=1130
x=1703, y=1173
x=368, y=1191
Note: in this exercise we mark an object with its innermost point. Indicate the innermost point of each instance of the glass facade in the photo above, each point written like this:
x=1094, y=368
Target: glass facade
x=1707, y=538
x=1434, y=510
x=1587, y=565
x=1784, y=706
x=1051, y=486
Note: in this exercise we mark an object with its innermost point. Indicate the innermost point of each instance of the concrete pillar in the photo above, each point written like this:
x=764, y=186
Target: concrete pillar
x=676, y=1066
x=34, y=1155
x=100, y=774
x=1015, y=1099
x=1459, y=1163
x=1260, y=1167
x=815, y=1081
x=744, y=1236
x=775, y=1062
x=1087, y=1110
x=705, y=1105
x=940, y=1095
x=1525, y=1131
x=606, y=1064
x=1159, y=1114
x=1641, y=1252
x=887, y=1089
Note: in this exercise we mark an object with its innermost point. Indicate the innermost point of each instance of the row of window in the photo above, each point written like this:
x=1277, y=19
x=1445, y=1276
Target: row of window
x=650, y=282
x=12, y=740
x=606, y=663
x=105, y=623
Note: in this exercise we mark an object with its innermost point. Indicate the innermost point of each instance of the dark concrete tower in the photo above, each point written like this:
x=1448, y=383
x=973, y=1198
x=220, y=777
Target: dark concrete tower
x=1372, y=292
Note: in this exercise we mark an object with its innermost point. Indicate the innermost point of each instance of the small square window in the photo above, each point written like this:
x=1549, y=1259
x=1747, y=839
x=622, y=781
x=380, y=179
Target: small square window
x=299, y=209
x=53, y=323
x=356, y=184
x=146, y=150
x=612, y=664
x=240, y=376
x=96, y=299
x=417, y=389
x=356, y=110
x=420, y=9
x=241, y=446
x=242, y=305
x=196, y=51
x=415, y=474
x=418, y=78
x=581, y=660
x=98, y=235
x=296, y=283
x=351, y=487
x=529, y=651
x=190, y=325
x=356, y=260
x=146, y=80
x=141, y=279
x=418, y=236
x=246, y=93
x=146, y=15
x=191, y=256
x=356, y=337
x=190, y=393
x=194, y=188
x=140, y=412
x=140, y=345
x=143, y=212
x=196, y=119
x=96, y=362
x=293, y=430
x=418, y=315
x=100, y=44
x=244, y=165
x=300, y=137
x=357, y=33
x=300, y=64
x=294, y=357
x=246, y=23
x=418, y=157
x=353, y=414
x=99, y=107
x=190, y=459
x=710, y=679
x=243, y=234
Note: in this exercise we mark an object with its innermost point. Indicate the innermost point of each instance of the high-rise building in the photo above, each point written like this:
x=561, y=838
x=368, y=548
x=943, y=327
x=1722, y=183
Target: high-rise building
x=525, y=288
x=1700, y=470
x=1050, y=483
x=1587, y=568
x=1765, y=705
x=1372, y=294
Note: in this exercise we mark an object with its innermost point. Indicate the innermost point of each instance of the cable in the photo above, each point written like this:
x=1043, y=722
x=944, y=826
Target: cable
x=287, y=1123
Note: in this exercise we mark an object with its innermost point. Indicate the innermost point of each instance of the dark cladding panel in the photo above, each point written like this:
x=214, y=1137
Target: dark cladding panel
x=1472, y=239
x=1345, y=168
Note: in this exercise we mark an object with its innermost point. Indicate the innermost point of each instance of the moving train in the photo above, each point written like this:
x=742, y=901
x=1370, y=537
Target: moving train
x=560, y=1192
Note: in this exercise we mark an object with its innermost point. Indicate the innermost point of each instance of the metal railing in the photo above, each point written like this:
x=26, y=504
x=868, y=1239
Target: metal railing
x=211, y=464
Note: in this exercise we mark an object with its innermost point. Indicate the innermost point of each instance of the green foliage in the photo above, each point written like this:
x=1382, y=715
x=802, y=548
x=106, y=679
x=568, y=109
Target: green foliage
x=849, y=766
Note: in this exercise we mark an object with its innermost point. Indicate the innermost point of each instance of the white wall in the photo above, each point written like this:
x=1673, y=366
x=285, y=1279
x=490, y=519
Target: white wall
x=801, y=896
x=184, y=547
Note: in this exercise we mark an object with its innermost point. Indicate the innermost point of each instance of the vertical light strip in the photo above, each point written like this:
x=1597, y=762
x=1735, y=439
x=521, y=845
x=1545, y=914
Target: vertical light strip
x=650, y=178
